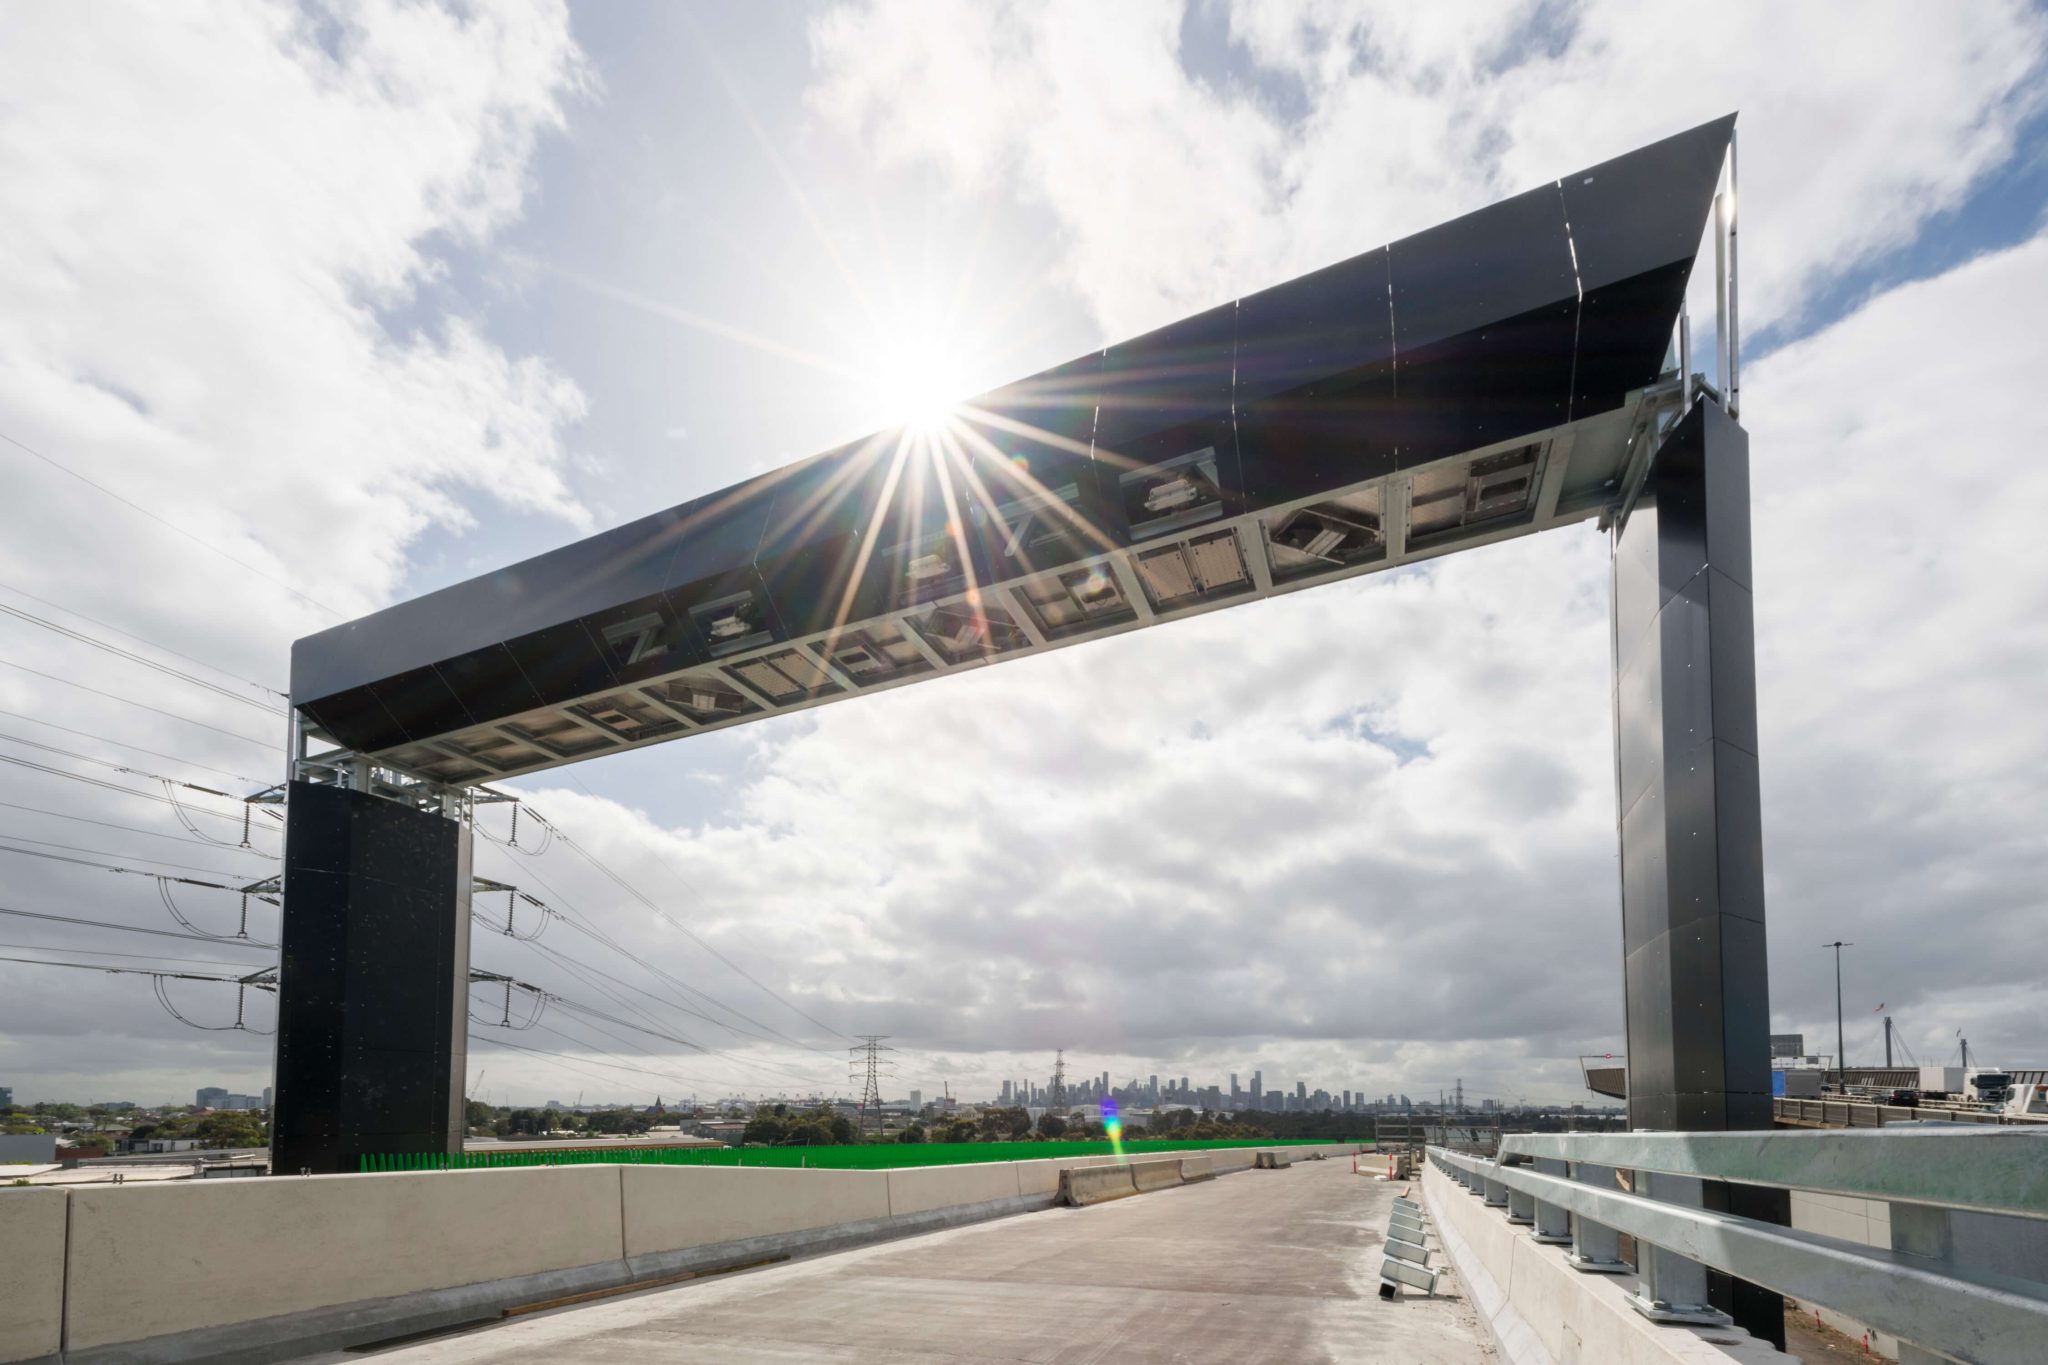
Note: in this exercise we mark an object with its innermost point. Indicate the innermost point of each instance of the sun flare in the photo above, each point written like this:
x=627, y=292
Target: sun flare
x=917, y=382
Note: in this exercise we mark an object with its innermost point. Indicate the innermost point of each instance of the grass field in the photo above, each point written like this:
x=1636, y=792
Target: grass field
x=874, y=1156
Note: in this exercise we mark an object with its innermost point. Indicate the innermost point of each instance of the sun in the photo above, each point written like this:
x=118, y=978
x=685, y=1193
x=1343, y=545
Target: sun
x=917, y=382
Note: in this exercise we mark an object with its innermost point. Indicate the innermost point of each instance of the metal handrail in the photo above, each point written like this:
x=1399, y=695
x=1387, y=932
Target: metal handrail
x=1955, y=1311
x=1986, y=1170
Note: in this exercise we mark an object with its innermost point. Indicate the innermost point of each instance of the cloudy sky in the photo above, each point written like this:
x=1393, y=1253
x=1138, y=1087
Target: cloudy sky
x=307, y=309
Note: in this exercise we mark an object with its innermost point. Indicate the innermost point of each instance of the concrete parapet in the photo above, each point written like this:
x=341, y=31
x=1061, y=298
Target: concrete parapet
x=669, y=1208
x=1155, y=1175
x=1231, y=1159
x=915, y=1189
x=1083, y=1185
x=31, y=1272
x=148, y=1260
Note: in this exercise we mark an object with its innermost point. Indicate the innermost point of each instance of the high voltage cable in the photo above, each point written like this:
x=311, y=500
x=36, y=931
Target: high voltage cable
x=180, y=674
x=135, y=929
x=125, y=791
x=77, y=848
x=582, y=924
x=124, y=744
x=134, y=971
x=111, y=867
x=137, y=829
x=161, y=649
x=115, y=696
x=110, y=763
x=162, y=521
x=108, y=952
x=677, y=925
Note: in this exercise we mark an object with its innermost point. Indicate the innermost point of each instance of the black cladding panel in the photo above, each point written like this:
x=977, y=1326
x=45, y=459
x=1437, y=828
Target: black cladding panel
x=1032, y=445
x=370, y=952
x=1165, y=447
x=1315, y=382
x=1636, y=227
x=1485, y=318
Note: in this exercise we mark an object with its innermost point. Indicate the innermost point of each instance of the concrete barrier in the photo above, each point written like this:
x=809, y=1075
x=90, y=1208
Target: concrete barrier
x=1155, y=1175
x=1084, y=1185
x=1193, y=1168
x=31, y=1273
x=150, y=1260
x=1274, y=1159
x=917, y=1189
x=676, y=1208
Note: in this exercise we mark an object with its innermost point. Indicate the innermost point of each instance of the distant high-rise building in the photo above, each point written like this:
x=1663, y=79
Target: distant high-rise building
x=6, y=1096
x=917, y=1099
x=1301, y=1092
x=1258, y=1088
x=212, y=1097
x=1009, y=1089
x=1233, y=1087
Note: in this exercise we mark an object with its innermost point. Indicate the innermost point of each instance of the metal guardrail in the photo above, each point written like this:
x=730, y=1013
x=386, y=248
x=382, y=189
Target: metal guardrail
x=1853, y=1113
x=1914, y=1291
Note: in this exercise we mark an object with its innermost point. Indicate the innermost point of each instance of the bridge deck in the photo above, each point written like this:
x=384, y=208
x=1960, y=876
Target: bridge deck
x=1263, y=1265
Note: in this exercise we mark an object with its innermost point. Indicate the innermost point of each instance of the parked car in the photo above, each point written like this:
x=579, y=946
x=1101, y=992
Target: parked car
x=1905, y=1099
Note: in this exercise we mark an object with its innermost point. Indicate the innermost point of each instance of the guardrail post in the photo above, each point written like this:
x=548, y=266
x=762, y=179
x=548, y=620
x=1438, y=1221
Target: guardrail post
x=1521, y=1207
x=1673, y=1288
x=1596, y=1248
x=1553, y=1225
x=1496, y=1192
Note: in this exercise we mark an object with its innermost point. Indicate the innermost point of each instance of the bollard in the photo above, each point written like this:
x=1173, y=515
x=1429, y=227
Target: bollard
x=1596, y=1248
x=1552, y=1224
x=1671, y=1287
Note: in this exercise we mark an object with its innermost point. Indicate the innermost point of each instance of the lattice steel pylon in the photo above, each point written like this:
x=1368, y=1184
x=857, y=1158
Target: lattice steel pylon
x=1056, y=1098
x=869, y=1067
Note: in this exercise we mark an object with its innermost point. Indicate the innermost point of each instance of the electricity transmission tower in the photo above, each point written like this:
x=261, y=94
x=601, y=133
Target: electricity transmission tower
x=1056, y=1098
x=869, y=1067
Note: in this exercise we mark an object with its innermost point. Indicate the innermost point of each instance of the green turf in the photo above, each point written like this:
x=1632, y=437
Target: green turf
x=874, y=1156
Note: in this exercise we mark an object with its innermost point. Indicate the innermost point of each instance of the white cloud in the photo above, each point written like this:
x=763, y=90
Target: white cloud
x=1861, y=123
x=220, y=219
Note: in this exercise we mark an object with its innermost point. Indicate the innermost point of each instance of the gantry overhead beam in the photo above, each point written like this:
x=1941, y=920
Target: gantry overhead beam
x=1495, y=376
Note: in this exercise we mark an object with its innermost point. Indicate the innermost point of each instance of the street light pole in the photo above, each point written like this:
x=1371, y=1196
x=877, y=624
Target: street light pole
x=1840, y=1060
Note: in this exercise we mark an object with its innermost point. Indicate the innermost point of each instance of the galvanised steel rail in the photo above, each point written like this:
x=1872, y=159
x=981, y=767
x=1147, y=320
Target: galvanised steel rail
x=1939, y=1310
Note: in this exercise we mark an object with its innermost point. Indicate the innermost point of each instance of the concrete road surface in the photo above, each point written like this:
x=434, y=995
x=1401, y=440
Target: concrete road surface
x=1259, y=1266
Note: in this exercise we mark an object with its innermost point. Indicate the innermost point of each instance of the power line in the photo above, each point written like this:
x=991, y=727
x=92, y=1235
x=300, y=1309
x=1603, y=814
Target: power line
x=137, y=829
x=131, y=656
x=115, y=696
x=677, y=925
x=136, y=971
x=76, y=848
x=141, y=640
x=108, y=952
x=167, y=800
x=134, y=929
x=162, y=521
x=124, y=744
x=582, y=924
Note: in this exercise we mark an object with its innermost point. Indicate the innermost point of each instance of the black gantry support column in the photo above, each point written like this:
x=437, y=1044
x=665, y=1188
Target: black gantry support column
x=373, y=981
x=1692, y=882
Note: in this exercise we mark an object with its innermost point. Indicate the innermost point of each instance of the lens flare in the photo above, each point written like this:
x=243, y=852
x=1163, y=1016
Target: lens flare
x=1113, y=1125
